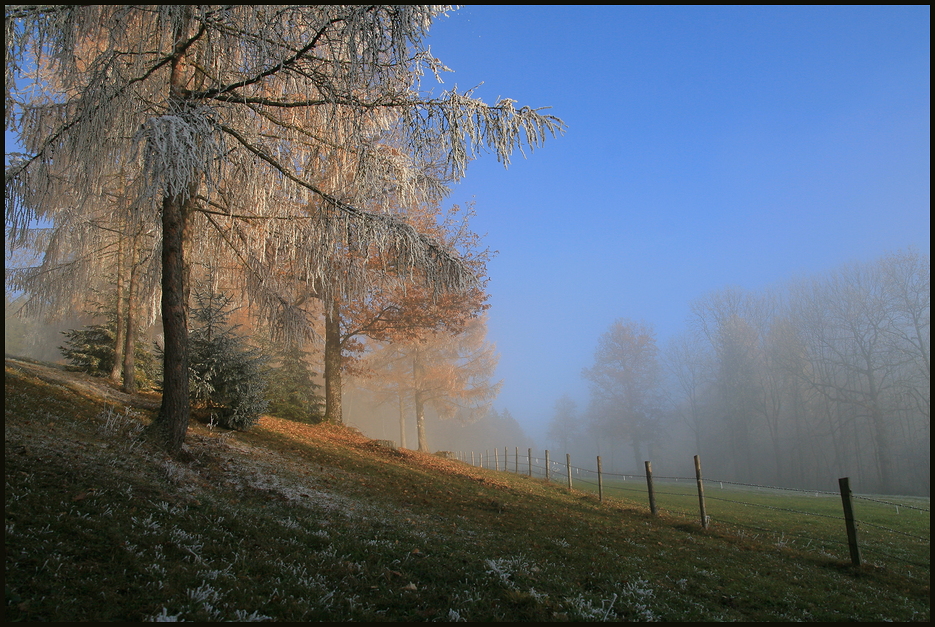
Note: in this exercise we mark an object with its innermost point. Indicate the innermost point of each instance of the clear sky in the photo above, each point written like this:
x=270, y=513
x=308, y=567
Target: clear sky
x=706, y=148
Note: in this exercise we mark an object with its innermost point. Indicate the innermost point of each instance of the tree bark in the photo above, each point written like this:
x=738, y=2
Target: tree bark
x=333, y=412
x=175, y=412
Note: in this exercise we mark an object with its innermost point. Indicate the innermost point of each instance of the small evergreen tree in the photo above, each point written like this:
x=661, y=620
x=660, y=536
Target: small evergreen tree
x=91, y=350
x=228, y=376
x=293, y=392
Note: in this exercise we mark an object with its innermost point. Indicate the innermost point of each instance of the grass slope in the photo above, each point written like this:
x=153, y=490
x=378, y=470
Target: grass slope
x=313, y=523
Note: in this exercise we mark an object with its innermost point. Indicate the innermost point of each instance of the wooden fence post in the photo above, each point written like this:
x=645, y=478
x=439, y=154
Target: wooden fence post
x=704, y=515
x=506, y=459
x=649, y=487
x=529, y=458
x=546, y=464
x=496, y=459
x=516, y=468
x=568, y=466
x=844, y=484
x=600, y=481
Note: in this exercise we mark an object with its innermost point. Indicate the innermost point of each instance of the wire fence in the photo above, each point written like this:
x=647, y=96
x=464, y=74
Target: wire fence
x=892, y=531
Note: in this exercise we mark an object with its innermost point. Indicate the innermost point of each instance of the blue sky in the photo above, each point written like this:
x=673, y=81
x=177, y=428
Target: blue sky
x=706, y=148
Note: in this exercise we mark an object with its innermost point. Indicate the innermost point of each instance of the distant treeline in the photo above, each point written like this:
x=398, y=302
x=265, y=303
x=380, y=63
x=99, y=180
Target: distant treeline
x=825, y=377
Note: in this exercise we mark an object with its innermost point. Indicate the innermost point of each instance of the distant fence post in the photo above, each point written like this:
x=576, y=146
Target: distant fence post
x=704, y=515
x=472, y=459
x=600, y=481
x=649, y=487
x=529, y=458
x=496, y=459
x=506, y=459
x=546, y=464
x=517, y=461
x=568, y=466
x=844, y=484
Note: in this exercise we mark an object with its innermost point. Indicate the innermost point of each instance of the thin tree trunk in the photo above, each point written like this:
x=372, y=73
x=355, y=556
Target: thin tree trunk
x=419, y=402
x=881, y=442
x=420, y=423
x=119, y=340
x=129, y=351
x=333, y=412
x=402, y=421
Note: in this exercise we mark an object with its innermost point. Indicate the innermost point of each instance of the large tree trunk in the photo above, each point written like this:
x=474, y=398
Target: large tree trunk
x=175, y=412
x=119, y=340
x=333, y=412
x=129, y=351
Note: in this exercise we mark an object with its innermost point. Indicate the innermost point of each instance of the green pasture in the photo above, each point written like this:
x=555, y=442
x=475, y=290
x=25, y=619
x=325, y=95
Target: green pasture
x=893, y=531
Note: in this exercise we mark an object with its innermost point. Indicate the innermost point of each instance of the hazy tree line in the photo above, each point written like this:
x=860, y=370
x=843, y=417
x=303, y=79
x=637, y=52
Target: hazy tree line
x=288, y=157
x=824, y=378
x=466, y=430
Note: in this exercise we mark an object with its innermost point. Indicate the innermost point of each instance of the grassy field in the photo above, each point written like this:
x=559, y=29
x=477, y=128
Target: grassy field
x=312, y=523
x=893, y=531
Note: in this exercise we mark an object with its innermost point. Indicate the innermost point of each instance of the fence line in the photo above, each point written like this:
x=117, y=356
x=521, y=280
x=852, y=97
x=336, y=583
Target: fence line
x=584, y=476
x=897, y=505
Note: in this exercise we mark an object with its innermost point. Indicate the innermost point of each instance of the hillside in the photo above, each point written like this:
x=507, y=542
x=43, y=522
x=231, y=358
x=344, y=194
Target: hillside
x=310, y=523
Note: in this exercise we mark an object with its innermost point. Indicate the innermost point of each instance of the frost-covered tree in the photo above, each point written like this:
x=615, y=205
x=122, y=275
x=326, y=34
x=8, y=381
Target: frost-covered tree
x=263, y=133
x=80, y=254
